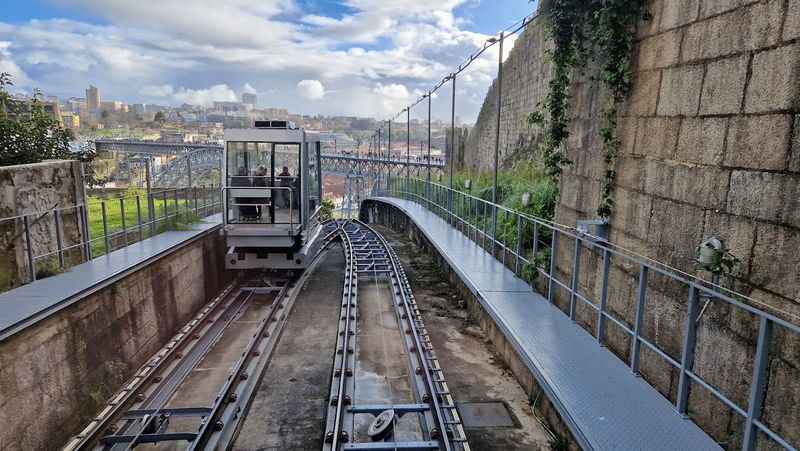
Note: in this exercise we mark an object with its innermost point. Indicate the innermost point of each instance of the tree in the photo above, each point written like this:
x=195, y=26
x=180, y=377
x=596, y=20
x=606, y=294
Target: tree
x=159, y=117
x=28, y=134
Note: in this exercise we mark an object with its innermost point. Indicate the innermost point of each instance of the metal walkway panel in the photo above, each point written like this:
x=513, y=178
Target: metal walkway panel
x=602, y=402
x=23, y=306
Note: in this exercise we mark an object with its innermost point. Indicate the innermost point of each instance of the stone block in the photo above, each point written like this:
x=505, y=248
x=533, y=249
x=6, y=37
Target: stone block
x=765, y=195
x=762, y=24
x=632, y=212
x=791, y=26
x=676, y=13
x=696, y=185
x=723, y=88
x=759, y=142
x=627, y=130
x=675, y=229
x=774, y=82
x=630, y=173
x=775, y=260
x=712, y=38
x=644, y=94
x=713, y=7
x=749, y=28
x=660, y=51
x=680, y=91
x=657, y=137
x=702, y=140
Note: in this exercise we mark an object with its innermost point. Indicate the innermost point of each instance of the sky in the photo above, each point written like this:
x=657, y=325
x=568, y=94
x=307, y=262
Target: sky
x=334, y=57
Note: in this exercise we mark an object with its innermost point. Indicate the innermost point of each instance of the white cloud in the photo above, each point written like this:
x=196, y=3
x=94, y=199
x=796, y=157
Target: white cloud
x=311, y=89
x=392, y=97
x=206, y=97
x=157, y=91
x=155, y=52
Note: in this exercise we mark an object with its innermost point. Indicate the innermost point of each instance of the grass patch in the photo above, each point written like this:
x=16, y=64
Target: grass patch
x=114, y=216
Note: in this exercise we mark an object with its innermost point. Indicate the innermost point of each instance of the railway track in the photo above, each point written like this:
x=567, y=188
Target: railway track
x=369, y=255
x=195, y=392
x=152, y=407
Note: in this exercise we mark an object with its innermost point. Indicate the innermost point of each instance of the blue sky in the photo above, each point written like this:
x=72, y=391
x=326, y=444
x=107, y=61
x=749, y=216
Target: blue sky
x=365, y=57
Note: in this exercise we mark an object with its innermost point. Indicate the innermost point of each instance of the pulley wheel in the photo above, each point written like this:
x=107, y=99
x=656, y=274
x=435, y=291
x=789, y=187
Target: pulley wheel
x=382, y=425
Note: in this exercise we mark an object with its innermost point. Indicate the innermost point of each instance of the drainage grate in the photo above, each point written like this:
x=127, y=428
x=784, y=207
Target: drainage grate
x=486, y=414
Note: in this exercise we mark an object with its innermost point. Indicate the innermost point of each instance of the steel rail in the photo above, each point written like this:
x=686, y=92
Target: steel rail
x=413, y=317
x=334, y=435
x=170, y=384
x=90, y=434
x=226, y=401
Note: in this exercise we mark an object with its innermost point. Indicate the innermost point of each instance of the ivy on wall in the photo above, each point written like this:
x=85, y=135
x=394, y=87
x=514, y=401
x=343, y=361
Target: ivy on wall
x=583, y=31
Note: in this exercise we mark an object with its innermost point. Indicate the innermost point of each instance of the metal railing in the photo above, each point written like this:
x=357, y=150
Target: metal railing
x=56, y=239
x=264, y=197
x=533, y=247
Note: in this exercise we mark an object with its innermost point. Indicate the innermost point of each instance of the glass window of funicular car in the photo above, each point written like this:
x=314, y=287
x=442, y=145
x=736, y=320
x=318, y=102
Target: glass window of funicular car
x=287, y=179
x=313, y=182
x=248, y=170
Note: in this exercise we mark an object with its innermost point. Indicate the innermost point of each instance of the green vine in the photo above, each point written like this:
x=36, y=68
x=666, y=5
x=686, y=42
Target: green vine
x=582, y=31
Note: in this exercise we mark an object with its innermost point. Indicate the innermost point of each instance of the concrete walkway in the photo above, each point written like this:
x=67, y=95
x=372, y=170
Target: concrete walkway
x=29, y=303
x=605, y=406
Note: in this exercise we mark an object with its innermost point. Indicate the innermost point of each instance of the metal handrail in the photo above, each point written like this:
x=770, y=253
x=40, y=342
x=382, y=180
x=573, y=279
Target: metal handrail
x=265, y=188
x=131, y=233
x=475, y=217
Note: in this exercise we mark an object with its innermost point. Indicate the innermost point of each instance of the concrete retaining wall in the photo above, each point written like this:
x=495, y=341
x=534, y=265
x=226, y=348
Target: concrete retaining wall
x=57, y=374
x=32, y=188
x=710, y=146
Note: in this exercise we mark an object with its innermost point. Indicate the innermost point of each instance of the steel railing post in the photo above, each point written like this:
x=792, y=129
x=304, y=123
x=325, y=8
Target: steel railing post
x=687, y=355
x=175, y=195
x=601, y=318
x=552, y=272
x=576, y=273
x=519, y=244
x=105, y=227
x=139, y=217
x=59, y=239
x=641, y=296
x=87, y=236
x=151, y=213
x=29, y=248
x=758, y=384
x=124, y=226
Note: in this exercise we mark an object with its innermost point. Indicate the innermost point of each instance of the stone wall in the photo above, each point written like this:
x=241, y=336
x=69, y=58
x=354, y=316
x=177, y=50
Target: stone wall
x=711, y=146
x=37, y=188
x=57, y=374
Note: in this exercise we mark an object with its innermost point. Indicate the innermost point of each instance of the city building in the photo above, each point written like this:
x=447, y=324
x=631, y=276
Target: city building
x=249, y=99
x=71, y=120
x=114, y=106
x=93, y=98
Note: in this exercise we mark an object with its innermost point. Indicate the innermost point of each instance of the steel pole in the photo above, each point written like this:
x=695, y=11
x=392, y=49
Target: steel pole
x=497, y=141
x=427, y=188
x=408, y=147
x=450, y=158
x=389, y=153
